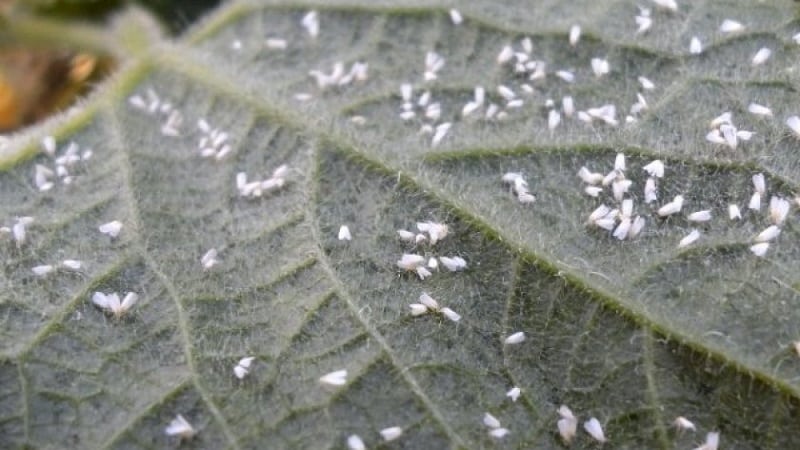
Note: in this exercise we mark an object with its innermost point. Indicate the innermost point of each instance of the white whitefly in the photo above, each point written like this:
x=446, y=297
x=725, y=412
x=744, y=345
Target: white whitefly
x=567, y=428
x=505, y=55
x=453, y=264
x=590, y=177
x=568, y=106
x=650, y=192
x=682, y=423
x=724, y=118
x=600, y=67
x=209, y=259
x=759, y=110
x=755, y=201
x=712, y=442
x=593, y=191
x=42, y=270
x=655, y=168
x=626, y=209
x=391, y=433
x=410, y=261
x=593, y=427
x=310, y=22
x=423, y=272
x=636, y=227
x=730, y=26
x=793, y=123
x=180, y=427
x=354, y=442
x=456, y=17
x=242, y=368
x=565, y=412
x=699, y=216
x=553, y=119
x=778, y=209
x=671, y=5
x=335, y=378
x=72, y=264
x=499, y=433
x=433, y=263
x=760, y=249
x=49, y=145
x=644, y=22
x=761, y=56
x=566, y=75
x=759, y=183
x=112, y=228
x=621, y=231
x=600, y=212
x=695, y=46
x=344, y=233
x=734, y=212
x=515, y=338
x=514, y=393
x=744, y=135
x=729, y=135
x=516, y=103
x=689, y=239
x=620, y=187
x=441, y=132
x=436, y=231
x=418, y=309
x=276, y=43
x=768, y=234
x=137, y=102
x=428, y=301
x=491, y=421
x=574, y=35
x=646, y=83
x=506, y=92
x=450, y=314
x=672, y=207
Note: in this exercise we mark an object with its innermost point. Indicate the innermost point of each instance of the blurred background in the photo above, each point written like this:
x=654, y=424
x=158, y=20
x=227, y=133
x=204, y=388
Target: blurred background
x=37, y=80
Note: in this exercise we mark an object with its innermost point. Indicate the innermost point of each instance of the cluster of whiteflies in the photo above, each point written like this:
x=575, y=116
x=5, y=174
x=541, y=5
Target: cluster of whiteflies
x=427, y=304
x=254, y=189
x=429, y=110
x=430, y=232
x=338, y=76
x=19, y=230
x=519, y=187
x=213, y=142
x=111, y=302
x=724, y=132
x=44, y=177
x=154, y=105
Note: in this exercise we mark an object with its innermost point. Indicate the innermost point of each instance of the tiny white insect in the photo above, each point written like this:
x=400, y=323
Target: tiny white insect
x=636, y=227
x=695, y=46
x=410, y=261
x=621, y=232
x=354, y=442
x=568, y=106
x=428, y=301
x=491, y=421
x=655, y=168
x=441, y=132
x=600, y=67
x=391, y=433
x=436, y=231
x=515, y=338
x=682, y=423
x=180, y=427
x=344, y=233
x=418, y=309
x=242, y=368
x=778, y=209
x=646, y=84
x=769, y=233
x=643, y=22
x=759, y=183
x=72, y=264
x=620, y=187
x=111, y=302
x=574, y=35
x=593, y=191
x=760, y=249
x=209, y=259
x=112, y=228
x=566, y=75
x=593, y=427
x=335, y=378
x=553, y=119
x=567, y=426
x=793, y=123
x=49, y=145
x=450, y=314
x=650, y=193
x=672, y=207
x=730, y=26
x=689, y=239
x=276, y=43
x=759, y=110
x=514, y=393
x=699, y=216
x=712, y=441
x=755, y=201
x=733, y=212
x=453, y=264
x=310, y=22
x=590, y=177
x=456, y=17
x=499, y=433
x=43, y=270
x=761, y=56
x=505, y=55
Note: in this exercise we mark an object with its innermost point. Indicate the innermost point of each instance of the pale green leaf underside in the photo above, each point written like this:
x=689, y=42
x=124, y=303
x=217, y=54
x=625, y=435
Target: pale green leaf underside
x=633, y=333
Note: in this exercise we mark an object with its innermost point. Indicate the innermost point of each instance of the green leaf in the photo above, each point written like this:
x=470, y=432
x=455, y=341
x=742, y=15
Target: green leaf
x=632, y=332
